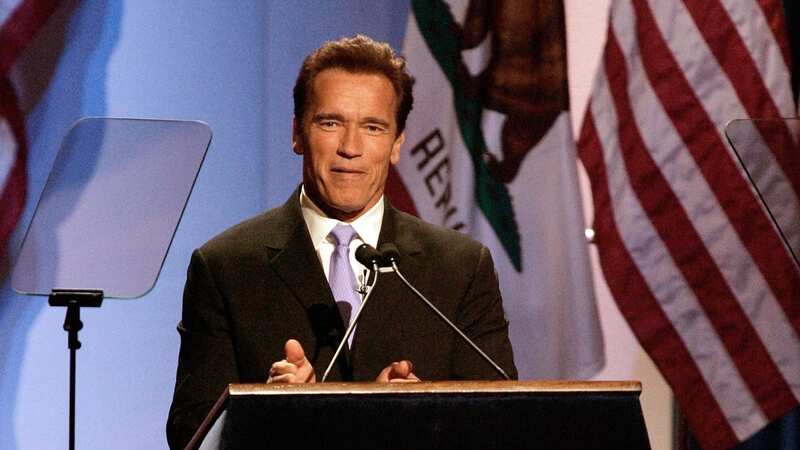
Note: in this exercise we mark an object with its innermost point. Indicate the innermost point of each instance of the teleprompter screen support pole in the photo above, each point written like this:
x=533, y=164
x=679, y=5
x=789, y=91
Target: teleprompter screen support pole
x=73, y=300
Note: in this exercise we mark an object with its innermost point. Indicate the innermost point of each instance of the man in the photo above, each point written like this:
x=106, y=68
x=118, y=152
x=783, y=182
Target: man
x=264, y=301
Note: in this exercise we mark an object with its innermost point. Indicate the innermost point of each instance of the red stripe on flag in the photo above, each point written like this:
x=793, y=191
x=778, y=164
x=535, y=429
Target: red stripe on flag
x=714, y=161
x=773, y=14
x=689, y=252
x=734, y=58
x=16, y=33
x=642, y=310
x=20, y=27
x=13, y=193
x=398, y=194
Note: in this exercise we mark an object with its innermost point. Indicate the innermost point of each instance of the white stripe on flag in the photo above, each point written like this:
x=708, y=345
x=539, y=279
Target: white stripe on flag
x=8, y=151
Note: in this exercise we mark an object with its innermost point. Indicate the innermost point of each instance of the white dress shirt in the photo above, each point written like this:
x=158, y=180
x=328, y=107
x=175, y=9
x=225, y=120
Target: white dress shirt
x=367, y=226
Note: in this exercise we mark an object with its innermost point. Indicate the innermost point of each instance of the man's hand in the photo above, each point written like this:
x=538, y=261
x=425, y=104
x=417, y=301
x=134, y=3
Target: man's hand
x=295, y=368
x=398, y=372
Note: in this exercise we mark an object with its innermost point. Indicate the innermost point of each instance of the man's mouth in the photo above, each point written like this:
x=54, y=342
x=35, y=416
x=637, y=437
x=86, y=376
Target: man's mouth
x=346, y=171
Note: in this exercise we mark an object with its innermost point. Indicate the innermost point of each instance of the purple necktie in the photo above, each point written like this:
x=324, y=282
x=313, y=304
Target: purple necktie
x=340, y=274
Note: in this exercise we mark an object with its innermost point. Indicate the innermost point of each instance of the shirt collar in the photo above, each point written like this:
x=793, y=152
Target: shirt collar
x=367, y=225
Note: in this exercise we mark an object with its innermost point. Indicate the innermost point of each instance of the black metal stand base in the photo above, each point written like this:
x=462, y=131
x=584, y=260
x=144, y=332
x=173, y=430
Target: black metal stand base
x=73, y=301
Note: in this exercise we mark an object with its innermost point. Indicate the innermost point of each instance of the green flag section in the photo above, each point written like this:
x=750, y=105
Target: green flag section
x=489, y=152
x=435, y=23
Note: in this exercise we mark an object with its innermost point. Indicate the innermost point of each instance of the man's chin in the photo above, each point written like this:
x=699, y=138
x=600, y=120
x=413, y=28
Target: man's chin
x=349, y=212
x=344, y=210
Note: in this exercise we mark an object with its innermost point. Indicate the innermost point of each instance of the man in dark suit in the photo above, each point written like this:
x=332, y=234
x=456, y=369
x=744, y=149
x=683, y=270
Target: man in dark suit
x=259, y=299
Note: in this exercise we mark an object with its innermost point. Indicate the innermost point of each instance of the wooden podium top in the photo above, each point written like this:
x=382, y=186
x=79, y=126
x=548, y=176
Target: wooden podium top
x=438, y=387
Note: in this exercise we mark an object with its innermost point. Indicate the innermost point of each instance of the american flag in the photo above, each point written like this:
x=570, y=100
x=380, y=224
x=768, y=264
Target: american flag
x=19, y=22
x=688, y=252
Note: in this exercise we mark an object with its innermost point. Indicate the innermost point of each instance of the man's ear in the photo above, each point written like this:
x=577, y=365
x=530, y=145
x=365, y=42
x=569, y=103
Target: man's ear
x=394, y=156
x=297, y=137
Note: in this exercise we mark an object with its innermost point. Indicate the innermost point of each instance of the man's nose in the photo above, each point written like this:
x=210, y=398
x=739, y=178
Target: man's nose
x=350, y=144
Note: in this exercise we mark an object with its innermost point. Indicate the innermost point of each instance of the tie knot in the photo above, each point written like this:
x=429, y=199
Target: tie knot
x=343, y=234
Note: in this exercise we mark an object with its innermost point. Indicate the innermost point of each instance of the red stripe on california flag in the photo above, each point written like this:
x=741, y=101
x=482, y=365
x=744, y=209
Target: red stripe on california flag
x=714, y=161
x=773, y=14
x=727, y=45
x=690, y=254
x=642, y=310
x=20, y=27
x=398, y=194
x=12, y=194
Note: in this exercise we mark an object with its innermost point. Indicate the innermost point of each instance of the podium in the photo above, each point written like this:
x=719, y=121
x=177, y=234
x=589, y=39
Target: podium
x=465, y=414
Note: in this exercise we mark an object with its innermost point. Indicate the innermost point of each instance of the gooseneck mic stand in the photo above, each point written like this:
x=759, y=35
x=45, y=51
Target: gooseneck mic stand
x=73, y=300
x=390, y=255
x=369, y=257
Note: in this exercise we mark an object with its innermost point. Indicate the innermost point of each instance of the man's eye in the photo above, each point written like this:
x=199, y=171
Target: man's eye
x=328, y=124
x=374, y=129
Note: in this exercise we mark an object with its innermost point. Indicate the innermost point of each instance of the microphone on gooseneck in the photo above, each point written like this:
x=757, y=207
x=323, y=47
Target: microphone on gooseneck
x=391, y=256
x=370, y=258
x=389, y=253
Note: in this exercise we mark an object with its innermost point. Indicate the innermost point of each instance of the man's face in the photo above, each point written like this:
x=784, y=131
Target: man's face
x=348, y=139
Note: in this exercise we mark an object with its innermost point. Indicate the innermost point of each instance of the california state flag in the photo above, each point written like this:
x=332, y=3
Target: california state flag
x=489, y=152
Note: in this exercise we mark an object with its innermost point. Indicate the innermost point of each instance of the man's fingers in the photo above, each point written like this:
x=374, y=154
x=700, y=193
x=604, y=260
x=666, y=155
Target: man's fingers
x=295, y=368
x=404, y=380
x=401, y=369
x=383, y=377
x=285, y=378
x=282, y=367
x=297, y=356
x=294, y=352
x=398, y=372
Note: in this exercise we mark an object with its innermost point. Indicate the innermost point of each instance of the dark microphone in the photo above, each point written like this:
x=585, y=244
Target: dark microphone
x=371, y=258
x=368, y=256
x=391, y=256
x=389, y=253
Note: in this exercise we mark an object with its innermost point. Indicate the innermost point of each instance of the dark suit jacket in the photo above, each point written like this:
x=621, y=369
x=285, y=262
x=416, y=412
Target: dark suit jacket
x=260, y=283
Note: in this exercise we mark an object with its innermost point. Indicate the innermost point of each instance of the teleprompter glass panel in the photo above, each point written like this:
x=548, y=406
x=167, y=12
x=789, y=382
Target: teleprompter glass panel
x=111, y=205
x=765, y=149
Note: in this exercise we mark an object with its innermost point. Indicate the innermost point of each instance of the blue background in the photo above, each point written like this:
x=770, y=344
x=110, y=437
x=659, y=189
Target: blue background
x=231, y=64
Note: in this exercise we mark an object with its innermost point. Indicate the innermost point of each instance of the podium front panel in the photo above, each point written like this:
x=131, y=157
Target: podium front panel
x=507, y=415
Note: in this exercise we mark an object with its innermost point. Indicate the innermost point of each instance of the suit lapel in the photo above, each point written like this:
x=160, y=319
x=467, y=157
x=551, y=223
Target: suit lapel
x=293, y=258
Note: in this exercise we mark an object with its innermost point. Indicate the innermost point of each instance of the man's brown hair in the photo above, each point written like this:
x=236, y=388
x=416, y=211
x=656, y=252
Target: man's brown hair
x=359, y=54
